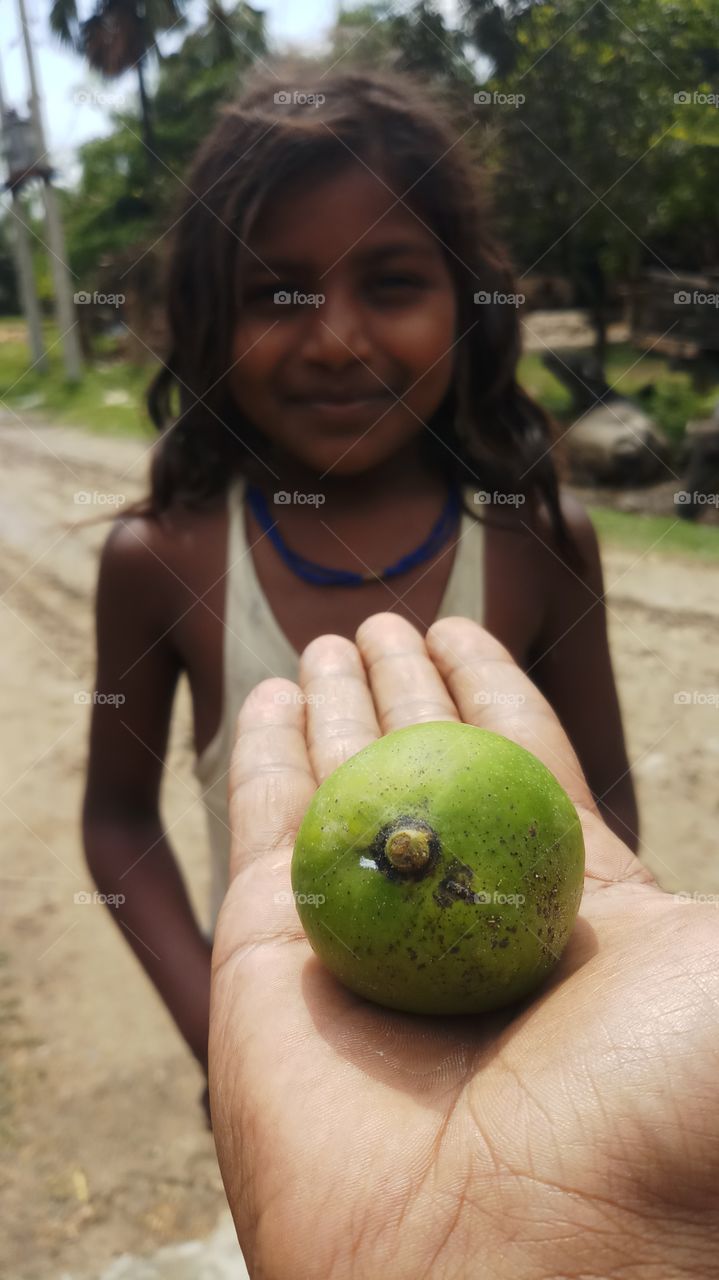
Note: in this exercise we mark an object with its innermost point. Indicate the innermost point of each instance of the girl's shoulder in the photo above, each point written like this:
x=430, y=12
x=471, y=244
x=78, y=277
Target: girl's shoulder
x=578, y=524
x=524, y=549
x=157, y=563
x=538, y=591
x=534, y=531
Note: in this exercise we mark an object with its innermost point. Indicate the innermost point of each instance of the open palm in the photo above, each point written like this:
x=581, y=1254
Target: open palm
x=575, y=1134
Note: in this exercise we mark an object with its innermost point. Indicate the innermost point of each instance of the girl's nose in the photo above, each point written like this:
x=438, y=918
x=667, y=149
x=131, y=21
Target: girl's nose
x=334, y=332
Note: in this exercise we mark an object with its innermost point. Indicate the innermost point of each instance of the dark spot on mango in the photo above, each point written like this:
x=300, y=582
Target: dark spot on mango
x=457, y=885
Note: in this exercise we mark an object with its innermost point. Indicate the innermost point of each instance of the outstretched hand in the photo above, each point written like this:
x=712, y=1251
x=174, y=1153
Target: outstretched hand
x=574, y=1134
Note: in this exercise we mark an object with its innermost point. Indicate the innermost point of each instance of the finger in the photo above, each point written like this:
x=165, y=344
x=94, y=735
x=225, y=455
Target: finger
x=492, y=692
x=338, y=704
x=271, y=785
x=406, y=687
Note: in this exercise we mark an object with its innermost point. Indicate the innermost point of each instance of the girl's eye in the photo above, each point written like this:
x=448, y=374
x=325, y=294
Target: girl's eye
x=399, y=281
x=268, y=292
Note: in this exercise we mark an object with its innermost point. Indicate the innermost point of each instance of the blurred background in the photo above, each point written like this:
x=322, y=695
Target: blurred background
x=597, y=126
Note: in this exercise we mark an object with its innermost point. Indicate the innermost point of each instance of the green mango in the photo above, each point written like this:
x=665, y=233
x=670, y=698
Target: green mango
x=439, y=870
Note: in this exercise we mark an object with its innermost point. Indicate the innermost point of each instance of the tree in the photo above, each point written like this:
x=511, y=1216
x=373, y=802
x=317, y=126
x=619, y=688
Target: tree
x=417, y=40
x=115, y=223
x=118, y=36
x=598, y=174
x=601, y=163
x=204, y=72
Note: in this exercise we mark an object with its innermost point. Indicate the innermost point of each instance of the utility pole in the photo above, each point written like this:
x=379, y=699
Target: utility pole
x=64, y=303
x=22, y=254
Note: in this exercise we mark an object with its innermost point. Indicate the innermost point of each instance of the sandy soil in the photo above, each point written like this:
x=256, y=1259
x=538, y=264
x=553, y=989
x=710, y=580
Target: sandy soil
x=105, y=1147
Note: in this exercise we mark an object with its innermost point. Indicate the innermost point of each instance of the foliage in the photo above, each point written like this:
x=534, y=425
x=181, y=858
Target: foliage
x=665, y=535
x=119, y=212
x=599, y=173
x=601, y=163
x=416, y=39
x=206, y=71
x=665, y=393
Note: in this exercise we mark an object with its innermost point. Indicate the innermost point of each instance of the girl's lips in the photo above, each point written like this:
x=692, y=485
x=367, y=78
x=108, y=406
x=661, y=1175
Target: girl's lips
x=347, y=410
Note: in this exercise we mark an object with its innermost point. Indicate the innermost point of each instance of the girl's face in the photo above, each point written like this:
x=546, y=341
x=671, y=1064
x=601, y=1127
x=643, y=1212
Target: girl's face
x=320, y=376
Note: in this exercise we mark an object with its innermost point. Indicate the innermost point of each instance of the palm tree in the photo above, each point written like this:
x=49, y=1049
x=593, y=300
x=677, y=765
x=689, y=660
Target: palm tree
x=117, y=37
x=491, y=25
x=235, y=35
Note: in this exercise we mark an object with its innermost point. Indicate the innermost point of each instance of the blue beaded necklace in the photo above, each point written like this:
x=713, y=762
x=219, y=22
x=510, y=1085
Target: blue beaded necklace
x=319, y=574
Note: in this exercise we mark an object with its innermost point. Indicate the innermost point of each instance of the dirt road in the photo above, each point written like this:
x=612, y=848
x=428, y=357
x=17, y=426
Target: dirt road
x=106, y=1148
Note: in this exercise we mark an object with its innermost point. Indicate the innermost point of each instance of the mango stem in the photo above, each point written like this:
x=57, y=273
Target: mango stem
x=408, y=849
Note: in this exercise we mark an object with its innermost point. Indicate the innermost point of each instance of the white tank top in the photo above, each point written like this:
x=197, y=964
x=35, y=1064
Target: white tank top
x=255, y=648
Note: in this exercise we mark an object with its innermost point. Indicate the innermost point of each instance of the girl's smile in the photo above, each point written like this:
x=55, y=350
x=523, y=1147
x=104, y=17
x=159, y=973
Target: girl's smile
x=345, y=414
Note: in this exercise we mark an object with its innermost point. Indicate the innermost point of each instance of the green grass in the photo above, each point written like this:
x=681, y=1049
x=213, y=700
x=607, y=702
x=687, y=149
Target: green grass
x=671, y=400
x=640, y=533
x=536, y=378
x=26, y=390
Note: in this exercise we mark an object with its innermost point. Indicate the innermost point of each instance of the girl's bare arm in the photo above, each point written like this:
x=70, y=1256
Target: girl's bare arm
x=572, y=666
x=126, y=847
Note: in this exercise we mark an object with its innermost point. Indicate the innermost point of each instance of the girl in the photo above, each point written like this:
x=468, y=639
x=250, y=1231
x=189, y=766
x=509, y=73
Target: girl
x=350, y=438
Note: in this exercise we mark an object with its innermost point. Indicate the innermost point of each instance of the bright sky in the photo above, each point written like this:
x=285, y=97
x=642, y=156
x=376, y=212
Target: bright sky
x=62, y=74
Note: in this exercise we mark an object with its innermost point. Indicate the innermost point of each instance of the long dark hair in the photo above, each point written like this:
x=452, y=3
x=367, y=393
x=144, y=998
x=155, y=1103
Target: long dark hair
x=488, y=432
